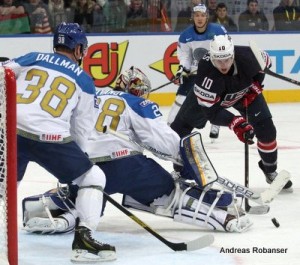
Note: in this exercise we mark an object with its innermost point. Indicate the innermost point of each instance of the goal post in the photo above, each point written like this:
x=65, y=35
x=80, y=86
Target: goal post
x=8, y=169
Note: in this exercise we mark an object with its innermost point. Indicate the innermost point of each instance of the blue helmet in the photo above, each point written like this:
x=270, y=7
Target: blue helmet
x=70, y=35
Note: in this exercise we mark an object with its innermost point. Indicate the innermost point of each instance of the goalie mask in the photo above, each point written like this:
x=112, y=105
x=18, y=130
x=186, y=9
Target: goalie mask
x=222, y=53
x=134, y=81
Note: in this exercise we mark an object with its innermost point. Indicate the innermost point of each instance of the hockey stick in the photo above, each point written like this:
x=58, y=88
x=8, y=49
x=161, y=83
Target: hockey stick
x=201, y=242
x=260, y=198
x=170, y=82
x=262, y=209
x=259, y=57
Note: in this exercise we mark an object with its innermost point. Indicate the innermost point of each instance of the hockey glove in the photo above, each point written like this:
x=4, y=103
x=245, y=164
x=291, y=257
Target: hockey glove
x=255, y=89
x=267, y=59
x=242, y=129
x=180, y=74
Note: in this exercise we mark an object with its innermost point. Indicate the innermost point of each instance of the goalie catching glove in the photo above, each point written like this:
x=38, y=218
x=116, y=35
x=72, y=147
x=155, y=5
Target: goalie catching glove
x=242, y=129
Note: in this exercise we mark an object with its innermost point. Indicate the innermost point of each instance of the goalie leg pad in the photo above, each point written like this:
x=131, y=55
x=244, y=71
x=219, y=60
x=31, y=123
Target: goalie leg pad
x=196, y=161
x=41, y=225
x=187, y=215
x=225, y=199
x=34, y=206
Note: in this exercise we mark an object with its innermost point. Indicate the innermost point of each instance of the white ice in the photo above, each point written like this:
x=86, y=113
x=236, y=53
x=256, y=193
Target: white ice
x=136, y=246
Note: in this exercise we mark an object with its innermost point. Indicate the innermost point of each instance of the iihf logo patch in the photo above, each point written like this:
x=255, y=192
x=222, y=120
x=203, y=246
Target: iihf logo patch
x=145, y=103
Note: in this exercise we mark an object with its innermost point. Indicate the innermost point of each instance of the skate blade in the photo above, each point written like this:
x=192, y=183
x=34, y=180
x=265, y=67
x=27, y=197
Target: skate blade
x=83, y=256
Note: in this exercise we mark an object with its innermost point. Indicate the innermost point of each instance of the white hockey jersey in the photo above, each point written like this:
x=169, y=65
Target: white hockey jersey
x=192, y=45
x=54, y=97
x=139, y=119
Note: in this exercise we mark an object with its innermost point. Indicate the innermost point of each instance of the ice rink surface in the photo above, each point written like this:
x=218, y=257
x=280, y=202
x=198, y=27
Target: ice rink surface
x=136, y=246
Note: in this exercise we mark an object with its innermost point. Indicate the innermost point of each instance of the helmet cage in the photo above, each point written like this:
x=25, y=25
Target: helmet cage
x=135, y=82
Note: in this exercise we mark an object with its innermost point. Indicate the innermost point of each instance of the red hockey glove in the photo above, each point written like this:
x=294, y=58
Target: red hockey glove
x=181, y=72
x=242, y=129
x=255, y=89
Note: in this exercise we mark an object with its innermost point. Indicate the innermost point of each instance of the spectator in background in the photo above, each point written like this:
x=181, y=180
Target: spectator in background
x=184, y=16
x=137, y=18
x=39, y=17
x=98, y=17
x=158, y=15
x=221, y=17
x=13, y=18
x=57, y=12
x=252, y=19
x=212, y=6
x=10, y=7
x=115, y=12
x=83, y=13
x=286, y=16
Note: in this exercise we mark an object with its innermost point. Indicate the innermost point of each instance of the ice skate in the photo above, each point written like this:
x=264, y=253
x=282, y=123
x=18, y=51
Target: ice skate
x=271, y=176
x=86, y=249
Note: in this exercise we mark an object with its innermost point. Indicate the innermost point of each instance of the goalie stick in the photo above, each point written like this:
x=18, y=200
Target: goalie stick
x=259, y=57
x=262, y=198
x=198, y=243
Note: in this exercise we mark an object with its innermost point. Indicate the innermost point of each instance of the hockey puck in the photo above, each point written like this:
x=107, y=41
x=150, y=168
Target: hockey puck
x=275, y=222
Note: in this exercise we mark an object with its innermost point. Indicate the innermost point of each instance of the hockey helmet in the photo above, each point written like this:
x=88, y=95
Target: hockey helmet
x=200, y=8
x=70, y=35
x=221, y=47
x=134, y=81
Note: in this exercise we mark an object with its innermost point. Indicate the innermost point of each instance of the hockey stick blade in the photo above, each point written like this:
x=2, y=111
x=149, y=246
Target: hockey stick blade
x=269, y=194
x=198, y=243
x=277, y=185
x=261, y=209
x=257, y=53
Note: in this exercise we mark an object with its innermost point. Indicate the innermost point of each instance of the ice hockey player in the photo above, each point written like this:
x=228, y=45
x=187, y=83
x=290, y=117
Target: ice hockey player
x=193, y=43
x=146, y=185
x=230, y=76
x=55, y=114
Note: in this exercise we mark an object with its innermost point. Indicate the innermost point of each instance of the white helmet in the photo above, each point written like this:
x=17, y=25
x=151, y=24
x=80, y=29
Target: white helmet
x=221, y=47
x=134, y=81
x=200, y=8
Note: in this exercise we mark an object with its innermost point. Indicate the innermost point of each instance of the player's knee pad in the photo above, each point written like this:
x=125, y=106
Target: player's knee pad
x=94, y=177
x=265, y=131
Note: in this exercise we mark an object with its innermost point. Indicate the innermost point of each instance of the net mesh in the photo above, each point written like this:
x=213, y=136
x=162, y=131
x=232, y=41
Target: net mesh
x=3, y=169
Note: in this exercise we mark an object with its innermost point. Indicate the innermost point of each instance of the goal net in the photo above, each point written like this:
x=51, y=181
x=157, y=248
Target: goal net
x=8, y=180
